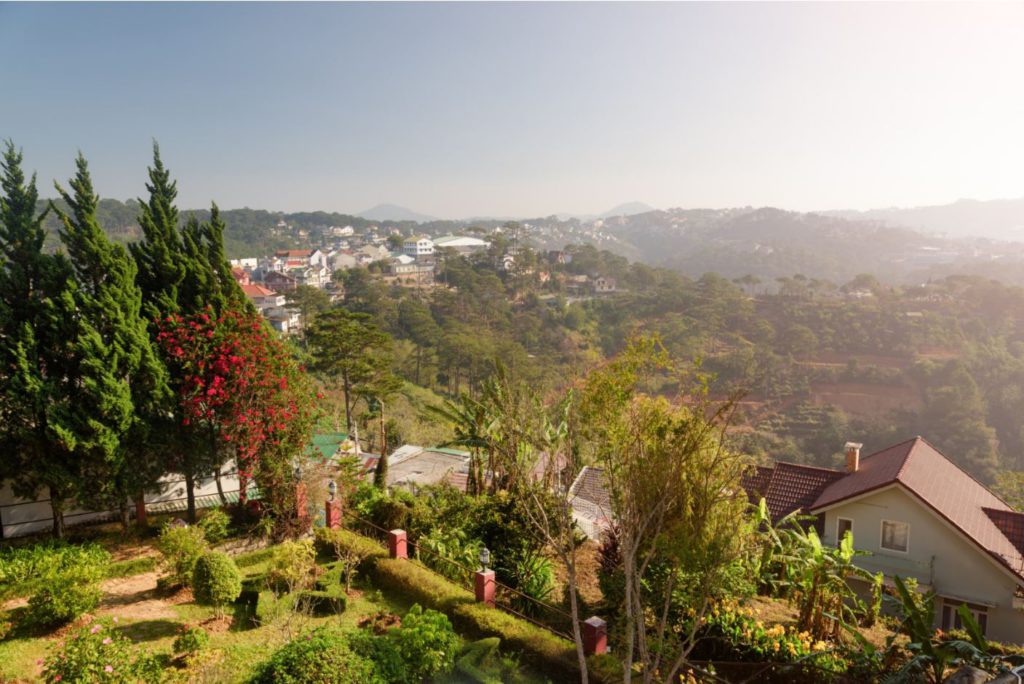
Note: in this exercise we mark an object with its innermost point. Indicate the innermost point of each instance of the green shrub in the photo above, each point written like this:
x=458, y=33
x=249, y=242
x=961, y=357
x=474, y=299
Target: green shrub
x=215, y=524
x=191, y=639
x=216, y=580
x=292, y=566
x=23, y=563
x=538, y=646
x=387, y=659
x=323, y=603
x=247, y=560
x=26, y=568
x=427, y=642
x=329, y=543
x=481, y=662
x=322, y=656
x=182, y=546
x=97, y=653
x=66, y=596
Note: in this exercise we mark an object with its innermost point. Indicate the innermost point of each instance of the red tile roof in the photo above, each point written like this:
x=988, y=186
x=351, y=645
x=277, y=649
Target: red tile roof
x=793, y=487
x=257, y=291
x=755, y=482
x=1011, y=524
x=942, y=486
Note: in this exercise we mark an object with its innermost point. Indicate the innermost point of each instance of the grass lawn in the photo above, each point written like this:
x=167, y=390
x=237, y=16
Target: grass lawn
x=153, y=619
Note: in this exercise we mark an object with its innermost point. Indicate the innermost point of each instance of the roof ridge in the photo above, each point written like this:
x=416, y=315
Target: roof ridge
x=957, y=466
x=910, y=452
x=890, y=447
x=804, y=465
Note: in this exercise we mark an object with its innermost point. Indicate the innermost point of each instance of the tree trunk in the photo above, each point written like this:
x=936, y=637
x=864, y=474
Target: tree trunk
x=125, y=515
x=243, y=489
x=574, y=610
x=57, y=507
x=140, y=509
x=628, y=568
x=190, y=493
x=220, y=486
x=383, y=433
x=348, y=405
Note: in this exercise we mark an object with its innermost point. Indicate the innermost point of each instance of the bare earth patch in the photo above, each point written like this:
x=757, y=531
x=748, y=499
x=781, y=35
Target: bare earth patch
x=136, y=598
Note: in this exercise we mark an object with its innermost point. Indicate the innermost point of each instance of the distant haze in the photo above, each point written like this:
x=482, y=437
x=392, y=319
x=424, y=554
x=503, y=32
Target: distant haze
x=512, y=109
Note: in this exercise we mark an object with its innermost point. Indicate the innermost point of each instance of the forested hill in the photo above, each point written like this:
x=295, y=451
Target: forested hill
x=821, y=363
x=771, y=243
x=767, y=243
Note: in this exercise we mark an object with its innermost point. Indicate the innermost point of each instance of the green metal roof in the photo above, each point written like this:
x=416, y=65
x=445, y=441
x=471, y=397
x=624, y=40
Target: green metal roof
x=450, y=452
x=325, y=444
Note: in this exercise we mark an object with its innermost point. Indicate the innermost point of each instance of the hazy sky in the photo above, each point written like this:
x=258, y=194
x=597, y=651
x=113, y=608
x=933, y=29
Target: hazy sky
x=523, y=109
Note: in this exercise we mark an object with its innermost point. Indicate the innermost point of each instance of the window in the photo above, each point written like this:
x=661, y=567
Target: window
x=895, y=536
x=843, y=525
x=951, y=616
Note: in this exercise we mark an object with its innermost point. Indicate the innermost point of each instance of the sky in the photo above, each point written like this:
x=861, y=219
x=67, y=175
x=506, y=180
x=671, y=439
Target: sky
x=509, y=109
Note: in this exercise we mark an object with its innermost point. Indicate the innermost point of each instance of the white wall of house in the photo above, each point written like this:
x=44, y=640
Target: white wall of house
x=25, y=516
x=937, y=554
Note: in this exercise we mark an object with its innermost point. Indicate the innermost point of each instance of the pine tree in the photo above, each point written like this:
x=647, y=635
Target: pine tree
x=160, y=254
x=182, y=272
x=36, y=358
x=228, y=293
x=122, y=382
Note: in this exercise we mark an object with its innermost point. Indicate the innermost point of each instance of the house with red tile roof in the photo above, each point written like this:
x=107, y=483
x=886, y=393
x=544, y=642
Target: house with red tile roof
x=917, y=514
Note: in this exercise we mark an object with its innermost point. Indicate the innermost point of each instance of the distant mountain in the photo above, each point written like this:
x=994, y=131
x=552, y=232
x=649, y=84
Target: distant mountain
x=771, y=243
x=1000, y=219
x=393, y=212
x=628, y=209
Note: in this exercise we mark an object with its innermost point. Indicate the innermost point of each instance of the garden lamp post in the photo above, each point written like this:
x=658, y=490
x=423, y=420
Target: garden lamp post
x=485, y=558
x=332, y=510
x=484, y=585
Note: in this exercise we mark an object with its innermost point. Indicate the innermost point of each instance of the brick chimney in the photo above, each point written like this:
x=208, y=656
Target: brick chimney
x=852, y=456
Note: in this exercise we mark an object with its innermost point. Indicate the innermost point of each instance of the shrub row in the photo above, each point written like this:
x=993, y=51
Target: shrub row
x=419, y=584
x=545, y=650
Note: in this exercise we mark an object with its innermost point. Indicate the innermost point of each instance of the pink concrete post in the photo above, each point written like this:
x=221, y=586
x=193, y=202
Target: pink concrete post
x=332, y=517
x=485, y=586
x=397, y=546
x=140, y=510
x=595, y=636
x=301, y=501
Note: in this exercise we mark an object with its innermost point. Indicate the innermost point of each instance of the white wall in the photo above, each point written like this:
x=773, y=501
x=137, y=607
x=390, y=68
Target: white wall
x=960, y=568
x=23, y=516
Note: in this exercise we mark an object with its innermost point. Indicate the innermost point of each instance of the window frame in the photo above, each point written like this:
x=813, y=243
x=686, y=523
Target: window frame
x=839, y=521
x=951, y=617
x=881, y=536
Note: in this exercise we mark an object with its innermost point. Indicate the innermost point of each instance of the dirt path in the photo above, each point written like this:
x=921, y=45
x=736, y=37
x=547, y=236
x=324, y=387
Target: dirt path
x=133, y=597
x=136, y=598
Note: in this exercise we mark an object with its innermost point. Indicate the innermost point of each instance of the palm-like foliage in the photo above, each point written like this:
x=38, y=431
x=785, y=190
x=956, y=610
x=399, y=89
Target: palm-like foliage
x=821, y=588
x=471, y=422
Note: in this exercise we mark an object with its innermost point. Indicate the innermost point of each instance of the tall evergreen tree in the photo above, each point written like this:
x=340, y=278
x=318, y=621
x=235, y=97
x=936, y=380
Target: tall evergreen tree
x=182, y=271
x=228, y=293
x=36, y=357
x=159, y=255
x=122, y=383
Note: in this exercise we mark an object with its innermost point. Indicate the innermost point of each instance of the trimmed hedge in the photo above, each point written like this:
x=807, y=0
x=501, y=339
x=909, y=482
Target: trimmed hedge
x=419, y=584
x=324, y=603
x=326, y=538
x=547, y=651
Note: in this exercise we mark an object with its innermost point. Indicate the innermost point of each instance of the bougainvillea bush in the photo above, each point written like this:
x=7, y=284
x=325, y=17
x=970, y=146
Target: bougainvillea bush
x=244, y=395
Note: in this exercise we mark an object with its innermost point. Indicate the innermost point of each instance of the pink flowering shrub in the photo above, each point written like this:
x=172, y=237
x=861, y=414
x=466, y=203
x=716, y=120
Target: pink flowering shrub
x=97, y=653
